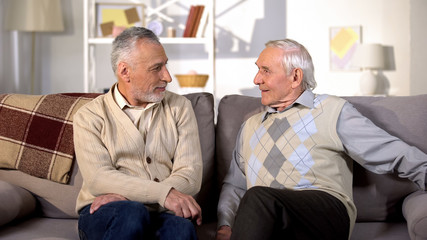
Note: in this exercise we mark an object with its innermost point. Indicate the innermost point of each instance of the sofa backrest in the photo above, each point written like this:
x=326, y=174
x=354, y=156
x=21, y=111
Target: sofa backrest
x=233, y=110
x=59, y=200
x=56, y=200
x=377, y=197
x=203, y=105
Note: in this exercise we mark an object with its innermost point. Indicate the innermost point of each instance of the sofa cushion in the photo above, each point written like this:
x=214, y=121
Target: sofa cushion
x=56, y=200
x=36, y=135
x=16, y=202
x=380, y=231
x=37, y=228
x=402, y=116
x=233, y=110
x=203, y=105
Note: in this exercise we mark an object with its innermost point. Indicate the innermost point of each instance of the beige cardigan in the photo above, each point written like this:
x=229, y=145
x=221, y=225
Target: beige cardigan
x=113, y=157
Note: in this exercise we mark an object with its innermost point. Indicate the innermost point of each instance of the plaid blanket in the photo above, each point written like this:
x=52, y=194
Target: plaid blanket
x=36, y=133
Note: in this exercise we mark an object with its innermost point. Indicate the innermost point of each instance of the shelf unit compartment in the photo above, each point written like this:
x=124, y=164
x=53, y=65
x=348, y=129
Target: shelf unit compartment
x=152, y=13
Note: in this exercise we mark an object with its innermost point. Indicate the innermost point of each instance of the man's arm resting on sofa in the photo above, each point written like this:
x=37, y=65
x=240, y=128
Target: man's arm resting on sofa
x=381, y=153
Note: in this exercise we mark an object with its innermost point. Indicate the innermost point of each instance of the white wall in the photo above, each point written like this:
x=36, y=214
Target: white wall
x=399, y=24
x=243, y=26
x=65, y=53
x=418, y=49
x=382, y=21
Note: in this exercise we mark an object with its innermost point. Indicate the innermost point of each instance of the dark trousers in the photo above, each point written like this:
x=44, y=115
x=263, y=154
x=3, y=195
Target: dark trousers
x=268, y=213
x=131, y=220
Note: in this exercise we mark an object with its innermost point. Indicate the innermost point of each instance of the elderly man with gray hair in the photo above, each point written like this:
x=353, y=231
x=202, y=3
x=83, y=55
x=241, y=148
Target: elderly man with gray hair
x=138, y=150
x=291, y=172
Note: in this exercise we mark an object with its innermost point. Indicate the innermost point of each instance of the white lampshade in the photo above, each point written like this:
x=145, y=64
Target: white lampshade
x=34, y=16
x=369, y=56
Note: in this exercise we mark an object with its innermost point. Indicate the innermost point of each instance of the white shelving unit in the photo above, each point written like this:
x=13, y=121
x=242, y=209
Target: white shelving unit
x=91, y=41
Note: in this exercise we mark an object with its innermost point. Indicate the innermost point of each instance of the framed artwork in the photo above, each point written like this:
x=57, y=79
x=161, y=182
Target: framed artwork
x=113, y=18
x=343, y=42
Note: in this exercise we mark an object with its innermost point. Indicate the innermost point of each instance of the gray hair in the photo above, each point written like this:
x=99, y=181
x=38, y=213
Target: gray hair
x=124, y=44
x=296, y=56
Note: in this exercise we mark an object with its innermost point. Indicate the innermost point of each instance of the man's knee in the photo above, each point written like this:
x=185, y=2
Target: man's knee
x=174, y=227
x=132, y=210
x=256, y=195
x=115, y=218
x=182, y=224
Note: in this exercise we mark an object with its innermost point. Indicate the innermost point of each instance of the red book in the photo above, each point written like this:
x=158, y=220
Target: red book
x=199, y=14
x=190, y=22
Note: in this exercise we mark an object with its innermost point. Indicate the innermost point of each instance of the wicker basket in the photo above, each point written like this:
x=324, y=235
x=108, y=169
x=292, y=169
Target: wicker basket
x=192, y=80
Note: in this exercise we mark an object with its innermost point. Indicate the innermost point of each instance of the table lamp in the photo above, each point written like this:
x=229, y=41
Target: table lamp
x=369, y=57
x=34, y=16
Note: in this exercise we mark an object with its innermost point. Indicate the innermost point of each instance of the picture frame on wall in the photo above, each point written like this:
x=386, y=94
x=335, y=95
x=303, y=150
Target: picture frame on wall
x=343, y=42
x=113, y=18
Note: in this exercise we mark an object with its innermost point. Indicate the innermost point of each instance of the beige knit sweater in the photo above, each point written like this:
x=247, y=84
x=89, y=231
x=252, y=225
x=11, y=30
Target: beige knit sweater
x=113, y=157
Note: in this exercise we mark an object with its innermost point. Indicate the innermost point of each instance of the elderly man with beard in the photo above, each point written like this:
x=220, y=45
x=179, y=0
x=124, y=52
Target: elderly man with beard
x=138, y=150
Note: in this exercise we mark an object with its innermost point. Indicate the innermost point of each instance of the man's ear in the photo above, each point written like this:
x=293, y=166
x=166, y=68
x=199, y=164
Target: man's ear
x=123, y=71
x=297, y=75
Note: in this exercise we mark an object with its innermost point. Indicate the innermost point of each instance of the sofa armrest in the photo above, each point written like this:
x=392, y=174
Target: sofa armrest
x=414, y=210
x=15, y=202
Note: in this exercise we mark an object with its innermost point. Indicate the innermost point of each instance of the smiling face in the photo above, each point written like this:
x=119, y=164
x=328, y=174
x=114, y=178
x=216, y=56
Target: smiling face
x=144, y=79
x=278, y=90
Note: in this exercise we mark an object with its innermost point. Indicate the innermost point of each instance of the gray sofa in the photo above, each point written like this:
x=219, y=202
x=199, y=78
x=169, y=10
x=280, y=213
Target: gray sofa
x=388, y=207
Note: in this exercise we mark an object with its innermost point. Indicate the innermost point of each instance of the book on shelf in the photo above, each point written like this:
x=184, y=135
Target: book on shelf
x=199, y=12
x=190, y=19
x=193, y=20
x=202, y=25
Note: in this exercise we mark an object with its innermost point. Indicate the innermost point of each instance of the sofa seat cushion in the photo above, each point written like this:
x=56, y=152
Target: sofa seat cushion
x=41, y=228
x=16, y=202
x=380, y=231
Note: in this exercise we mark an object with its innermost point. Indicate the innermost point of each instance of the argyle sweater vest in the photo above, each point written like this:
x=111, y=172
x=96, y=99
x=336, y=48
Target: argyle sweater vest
x=299, y=149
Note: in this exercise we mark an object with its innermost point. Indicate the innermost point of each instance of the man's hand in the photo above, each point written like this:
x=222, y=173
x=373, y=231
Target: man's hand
x=104, y=199
x=223, y=233
x=183, y=205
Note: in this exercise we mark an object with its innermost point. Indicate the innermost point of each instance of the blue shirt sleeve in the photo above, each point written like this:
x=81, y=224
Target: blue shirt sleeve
x=378, y=151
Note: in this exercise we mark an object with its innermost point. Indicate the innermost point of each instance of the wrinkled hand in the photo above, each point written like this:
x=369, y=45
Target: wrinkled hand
x=104, y=199
x=223, y=233
x=183, y=205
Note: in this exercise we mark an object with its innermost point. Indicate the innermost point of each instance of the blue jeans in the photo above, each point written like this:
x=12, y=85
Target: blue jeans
x=132, y=220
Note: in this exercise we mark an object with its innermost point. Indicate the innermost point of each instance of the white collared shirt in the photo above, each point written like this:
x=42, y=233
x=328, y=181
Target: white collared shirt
x=140, y=116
